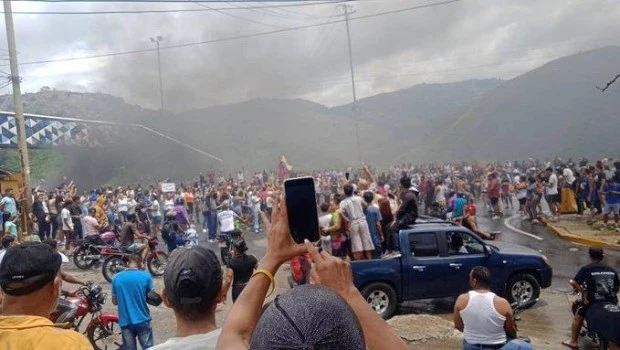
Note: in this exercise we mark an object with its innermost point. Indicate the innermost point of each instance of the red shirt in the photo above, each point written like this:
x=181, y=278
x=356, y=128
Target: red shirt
x=494, y=188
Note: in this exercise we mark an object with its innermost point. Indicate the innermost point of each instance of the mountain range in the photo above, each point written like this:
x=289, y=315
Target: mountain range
x=552, y=110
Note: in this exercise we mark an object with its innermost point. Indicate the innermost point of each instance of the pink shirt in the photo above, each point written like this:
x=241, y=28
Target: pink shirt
x=90, y=224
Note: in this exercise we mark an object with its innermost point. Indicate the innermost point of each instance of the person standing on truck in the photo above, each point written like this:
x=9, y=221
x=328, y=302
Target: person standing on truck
x=485, y=319
x=359, y=234
x=407, y=213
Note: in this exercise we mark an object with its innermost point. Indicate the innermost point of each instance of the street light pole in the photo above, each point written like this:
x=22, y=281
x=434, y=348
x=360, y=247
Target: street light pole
x=19, y=110
x=347, y=8
x=157, y=40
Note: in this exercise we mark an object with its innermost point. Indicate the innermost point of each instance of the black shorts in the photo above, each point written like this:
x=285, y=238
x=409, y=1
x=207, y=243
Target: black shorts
x=494, y=201
x=522, y=201
x=190, y=208
x=580, y=308
x=553, y=198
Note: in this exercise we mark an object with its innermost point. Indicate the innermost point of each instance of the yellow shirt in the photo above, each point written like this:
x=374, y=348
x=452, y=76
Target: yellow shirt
x=35, y=332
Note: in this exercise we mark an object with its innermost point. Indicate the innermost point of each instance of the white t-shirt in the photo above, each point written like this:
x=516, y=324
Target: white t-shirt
x=269, y=202
x=226, y=219
x=568, y=175
x=65, y=215
x=552, y=186
x=155, y=208
x=352, y=207
x=2, y=252
x=441, y=194
x=324, y=220
x=206, y=341
x=123, y=205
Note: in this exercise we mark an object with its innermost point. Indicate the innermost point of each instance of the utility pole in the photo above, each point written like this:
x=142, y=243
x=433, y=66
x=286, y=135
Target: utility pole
x=19, y=112
x=348, y=9
x=157, y=40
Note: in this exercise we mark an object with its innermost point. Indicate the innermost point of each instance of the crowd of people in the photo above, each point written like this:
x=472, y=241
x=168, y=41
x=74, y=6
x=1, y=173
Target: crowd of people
x=360, y=213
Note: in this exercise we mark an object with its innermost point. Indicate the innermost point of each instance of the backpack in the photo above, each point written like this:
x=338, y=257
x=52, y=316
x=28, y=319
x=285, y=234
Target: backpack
x=167, y=231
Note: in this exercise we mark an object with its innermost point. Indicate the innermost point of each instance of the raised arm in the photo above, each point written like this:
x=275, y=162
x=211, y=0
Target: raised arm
x=244, y=315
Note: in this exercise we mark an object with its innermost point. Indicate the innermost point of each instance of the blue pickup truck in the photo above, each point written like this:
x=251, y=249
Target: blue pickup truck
x=435, y=260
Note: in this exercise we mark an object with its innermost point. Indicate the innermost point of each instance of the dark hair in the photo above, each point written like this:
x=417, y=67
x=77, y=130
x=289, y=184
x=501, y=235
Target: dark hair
x=337, y=198
x=92, y=210
x=7, y=240
x=596, y=253
x=51, y=242
x=131, y=217
x=482, y=275
x=405, y=182
x=348, y=190
x=324, y=207
x=368, y=196
x=240, y=245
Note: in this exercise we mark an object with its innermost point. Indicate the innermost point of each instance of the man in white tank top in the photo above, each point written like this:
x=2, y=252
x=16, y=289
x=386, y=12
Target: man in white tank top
x=484, y=318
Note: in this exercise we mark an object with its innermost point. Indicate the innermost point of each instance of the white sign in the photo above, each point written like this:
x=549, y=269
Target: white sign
x=168, y=187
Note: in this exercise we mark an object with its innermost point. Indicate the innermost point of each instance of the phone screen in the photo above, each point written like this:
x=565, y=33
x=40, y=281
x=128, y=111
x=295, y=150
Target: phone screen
x=302, y=210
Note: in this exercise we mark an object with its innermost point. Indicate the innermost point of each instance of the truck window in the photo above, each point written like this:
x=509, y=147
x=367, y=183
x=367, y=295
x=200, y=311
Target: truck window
x=462, y=243
x=423, y=244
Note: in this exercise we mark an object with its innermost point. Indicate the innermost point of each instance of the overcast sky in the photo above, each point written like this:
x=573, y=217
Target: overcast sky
x=453, y=42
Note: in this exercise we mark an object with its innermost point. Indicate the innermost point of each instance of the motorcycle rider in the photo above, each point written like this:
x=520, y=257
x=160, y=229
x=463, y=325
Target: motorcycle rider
x=129, y=233
x=601, y=286
x=91, y=228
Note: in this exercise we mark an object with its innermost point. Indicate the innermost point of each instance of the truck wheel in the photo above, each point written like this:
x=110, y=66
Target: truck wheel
x=522, y=288
x=382, y=298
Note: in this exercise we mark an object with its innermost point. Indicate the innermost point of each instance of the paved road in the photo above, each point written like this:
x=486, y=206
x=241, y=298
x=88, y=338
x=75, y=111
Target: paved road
x=548, y=322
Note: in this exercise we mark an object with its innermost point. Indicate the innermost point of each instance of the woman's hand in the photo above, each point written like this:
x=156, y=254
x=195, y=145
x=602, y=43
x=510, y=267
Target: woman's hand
x=331, y=272
x=280, y=244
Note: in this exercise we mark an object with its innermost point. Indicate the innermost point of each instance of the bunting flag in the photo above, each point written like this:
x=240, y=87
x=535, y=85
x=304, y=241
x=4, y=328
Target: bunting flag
x=284, y=168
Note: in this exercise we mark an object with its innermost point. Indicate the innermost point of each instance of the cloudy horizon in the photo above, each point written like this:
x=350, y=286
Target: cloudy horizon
x=469, y=39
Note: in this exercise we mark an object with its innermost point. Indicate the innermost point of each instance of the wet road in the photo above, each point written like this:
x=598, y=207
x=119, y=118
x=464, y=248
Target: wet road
x=565, y=257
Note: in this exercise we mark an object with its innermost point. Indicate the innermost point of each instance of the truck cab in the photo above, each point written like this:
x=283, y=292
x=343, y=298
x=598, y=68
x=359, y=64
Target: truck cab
x=434, y=261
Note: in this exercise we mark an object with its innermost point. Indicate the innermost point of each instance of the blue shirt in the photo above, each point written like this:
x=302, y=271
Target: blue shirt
x=459, y=205
x=373, y=216
x=130, y=287
x=612, y=198
x=9, y=205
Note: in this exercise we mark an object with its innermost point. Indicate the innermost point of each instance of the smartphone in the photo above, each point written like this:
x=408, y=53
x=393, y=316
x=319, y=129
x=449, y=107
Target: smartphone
x=302, y=210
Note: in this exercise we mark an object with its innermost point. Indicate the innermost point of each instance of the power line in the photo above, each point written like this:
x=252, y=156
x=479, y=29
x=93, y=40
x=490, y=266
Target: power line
x=237, y=16
x=173, y=1
x=236, y=37
x=167, y=10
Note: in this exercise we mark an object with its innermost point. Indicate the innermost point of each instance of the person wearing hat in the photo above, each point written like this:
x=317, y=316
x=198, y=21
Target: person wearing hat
x=239, y=269
x=30, y=282
x=602, y=284
x=329, y=315
x=192, y=289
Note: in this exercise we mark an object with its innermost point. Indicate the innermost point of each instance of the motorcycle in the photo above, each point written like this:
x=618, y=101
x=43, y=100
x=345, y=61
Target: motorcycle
x=86, y=254
x=117, y=261
x=103, y=330
x=588, y=332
